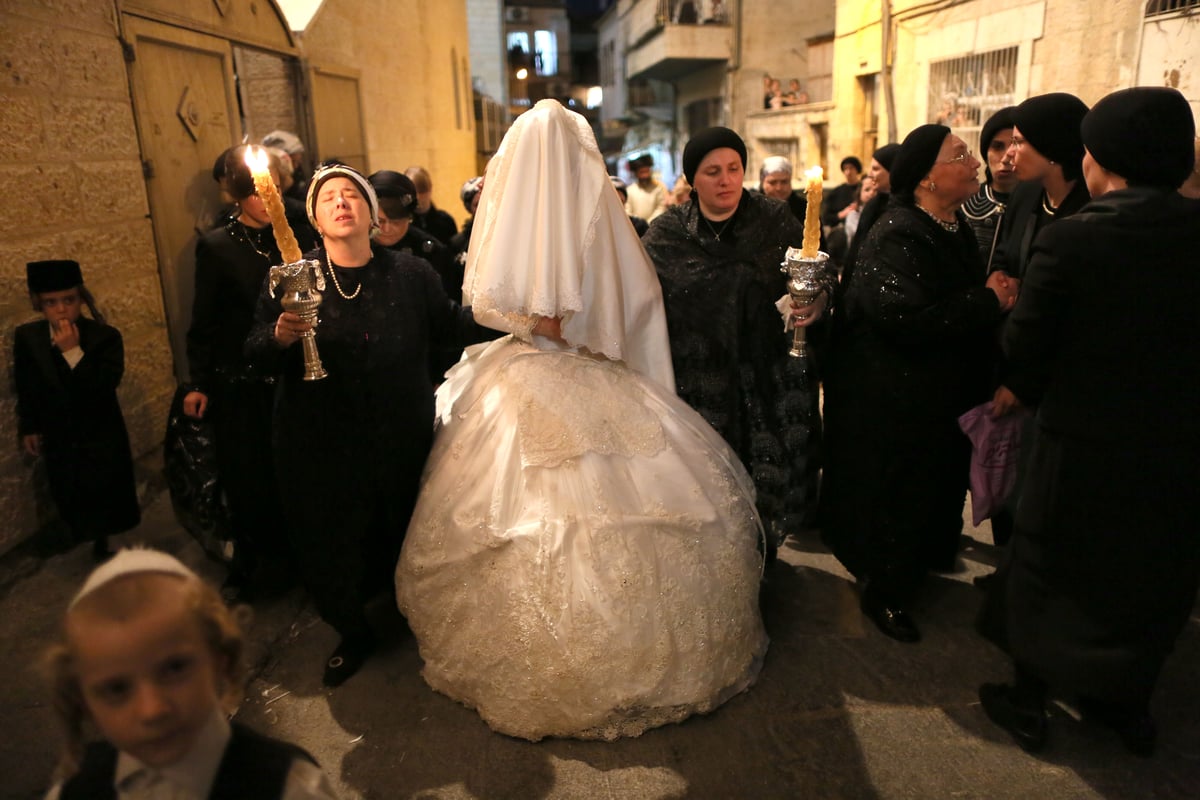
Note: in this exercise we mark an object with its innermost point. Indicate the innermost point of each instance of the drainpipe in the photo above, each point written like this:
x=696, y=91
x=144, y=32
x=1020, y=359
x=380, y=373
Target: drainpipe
x=885, y=67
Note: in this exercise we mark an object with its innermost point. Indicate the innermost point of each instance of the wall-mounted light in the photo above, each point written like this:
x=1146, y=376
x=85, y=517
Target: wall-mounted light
x=522, y=74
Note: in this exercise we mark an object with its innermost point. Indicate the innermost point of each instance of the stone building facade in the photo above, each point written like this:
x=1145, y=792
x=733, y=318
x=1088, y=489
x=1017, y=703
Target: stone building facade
x=92, y=172
x=957, y=62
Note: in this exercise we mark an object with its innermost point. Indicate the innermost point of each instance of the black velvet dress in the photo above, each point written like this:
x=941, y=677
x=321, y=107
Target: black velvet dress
x=349, y=449
x=911, y=352
x=729, y=349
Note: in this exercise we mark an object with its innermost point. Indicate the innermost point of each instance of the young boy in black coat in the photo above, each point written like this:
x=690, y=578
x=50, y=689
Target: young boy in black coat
x=67, y=369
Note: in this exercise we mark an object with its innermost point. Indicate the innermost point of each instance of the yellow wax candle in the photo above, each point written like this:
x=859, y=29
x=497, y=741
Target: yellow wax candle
x=259, y=164
x=812, y=217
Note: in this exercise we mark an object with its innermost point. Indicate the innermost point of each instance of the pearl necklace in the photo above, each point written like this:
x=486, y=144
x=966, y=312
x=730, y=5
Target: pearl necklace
x=338, y=286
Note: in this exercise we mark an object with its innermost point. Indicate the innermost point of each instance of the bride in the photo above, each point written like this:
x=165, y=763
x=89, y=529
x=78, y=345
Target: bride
x=584, y=558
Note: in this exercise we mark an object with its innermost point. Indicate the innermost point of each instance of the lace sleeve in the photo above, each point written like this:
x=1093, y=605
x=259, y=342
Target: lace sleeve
x=519, y=325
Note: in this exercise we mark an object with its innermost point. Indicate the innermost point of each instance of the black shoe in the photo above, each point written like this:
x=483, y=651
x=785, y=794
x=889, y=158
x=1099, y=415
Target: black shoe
x=1027, y=727
x=1137, y=730
x=347, y=659
x=893, y=621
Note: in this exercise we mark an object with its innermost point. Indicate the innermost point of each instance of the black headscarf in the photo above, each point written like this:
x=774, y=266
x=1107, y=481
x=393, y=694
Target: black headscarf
x=1050, y=122
x=886, y=155
x=1144, y=134
x=1001, y=120
x=917, y=155
x=704, y=143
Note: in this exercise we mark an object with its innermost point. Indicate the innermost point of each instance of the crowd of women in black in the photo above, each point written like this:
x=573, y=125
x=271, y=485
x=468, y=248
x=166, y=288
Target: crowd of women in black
x=1071, y=304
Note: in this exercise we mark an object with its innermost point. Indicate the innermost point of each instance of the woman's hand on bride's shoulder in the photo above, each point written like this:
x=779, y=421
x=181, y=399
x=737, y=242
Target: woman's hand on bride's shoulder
x=549, y=327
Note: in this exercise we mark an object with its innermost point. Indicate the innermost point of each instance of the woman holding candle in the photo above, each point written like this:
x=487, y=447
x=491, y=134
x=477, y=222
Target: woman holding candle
x=909, y=355
x=718, y=259
x=350, y=448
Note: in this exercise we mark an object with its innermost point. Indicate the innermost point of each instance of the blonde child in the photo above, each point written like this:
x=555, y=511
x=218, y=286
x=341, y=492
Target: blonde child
x=150, y=658
x=67, y=369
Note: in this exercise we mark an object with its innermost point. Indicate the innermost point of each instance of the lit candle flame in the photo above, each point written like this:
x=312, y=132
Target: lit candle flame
x=260, y=167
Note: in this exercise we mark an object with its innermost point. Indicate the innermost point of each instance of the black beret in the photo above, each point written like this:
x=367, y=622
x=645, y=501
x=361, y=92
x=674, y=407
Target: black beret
x=52, y=276
x=704, y=143
x=886, y=155
x=851, y=160
x=1050, y=122
x=1144, y=134
x=917, y=155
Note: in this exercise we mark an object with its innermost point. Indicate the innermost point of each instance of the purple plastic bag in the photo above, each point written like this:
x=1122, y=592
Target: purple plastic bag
x=995, y=451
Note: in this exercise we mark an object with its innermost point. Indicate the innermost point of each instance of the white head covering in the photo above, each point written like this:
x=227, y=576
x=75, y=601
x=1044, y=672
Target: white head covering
x=130, y=561
x=551, y=238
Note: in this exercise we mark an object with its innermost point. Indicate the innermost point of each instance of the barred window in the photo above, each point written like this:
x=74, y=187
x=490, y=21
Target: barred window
x=1156, y=8
x=965, y=91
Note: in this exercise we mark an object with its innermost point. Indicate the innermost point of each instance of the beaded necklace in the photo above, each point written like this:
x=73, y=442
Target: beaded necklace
x=949, y=227
x=338, y=286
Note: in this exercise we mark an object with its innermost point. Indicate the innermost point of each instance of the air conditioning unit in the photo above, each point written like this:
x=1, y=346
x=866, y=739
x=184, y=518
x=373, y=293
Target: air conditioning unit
x=516, y=14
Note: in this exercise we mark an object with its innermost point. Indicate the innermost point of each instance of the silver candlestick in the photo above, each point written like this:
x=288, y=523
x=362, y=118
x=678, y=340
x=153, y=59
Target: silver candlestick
x=806, y=280
x=302, y=283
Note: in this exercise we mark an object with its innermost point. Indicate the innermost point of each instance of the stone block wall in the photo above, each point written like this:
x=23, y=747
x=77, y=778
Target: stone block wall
x=71, y=169
x=414, y=59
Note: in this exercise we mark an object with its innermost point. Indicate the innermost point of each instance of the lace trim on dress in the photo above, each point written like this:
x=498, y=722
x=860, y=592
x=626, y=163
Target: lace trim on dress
x=552, y=432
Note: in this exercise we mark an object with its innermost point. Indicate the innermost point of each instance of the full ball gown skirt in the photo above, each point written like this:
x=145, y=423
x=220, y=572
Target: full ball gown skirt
x=584, y=558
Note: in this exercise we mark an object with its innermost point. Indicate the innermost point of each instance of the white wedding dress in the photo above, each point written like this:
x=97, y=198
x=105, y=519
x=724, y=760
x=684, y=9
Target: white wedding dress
x=583, y=560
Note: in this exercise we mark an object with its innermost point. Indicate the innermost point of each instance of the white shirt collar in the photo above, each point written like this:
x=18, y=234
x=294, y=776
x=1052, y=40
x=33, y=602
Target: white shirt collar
x=192, y=775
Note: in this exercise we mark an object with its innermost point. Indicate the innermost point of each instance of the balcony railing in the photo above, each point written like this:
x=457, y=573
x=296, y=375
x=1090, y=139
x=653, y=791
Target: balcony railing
x=669, y=38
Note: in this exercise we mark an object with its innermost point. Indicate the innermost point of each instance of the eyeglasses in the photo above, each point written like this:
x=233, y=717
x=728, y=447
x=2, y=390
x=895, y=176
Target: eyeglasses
x=1017, y=142
x=960, y=158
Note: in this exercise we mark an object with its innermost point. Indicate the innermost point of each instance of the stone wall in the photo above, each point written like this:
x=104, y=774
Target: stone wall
x=71, y=170
x=1088, y=49
x=415, y=86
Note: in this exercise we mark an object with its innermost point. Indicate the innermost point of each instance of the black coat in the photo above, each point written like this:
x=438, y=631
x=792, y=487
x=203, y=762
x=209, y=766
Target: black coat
x=1102, y=571
x=76, y=412
x=910, y=354
x=729, y=349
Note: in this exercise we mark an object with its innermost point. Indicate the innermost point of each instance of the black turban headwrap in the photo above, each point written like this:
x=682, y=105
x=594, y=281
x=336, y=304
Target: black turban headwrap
x=916, y=157
x=1050, y=122
x=1001, y=120
x=704, y=143
x=886, y=155
x=1144, y=134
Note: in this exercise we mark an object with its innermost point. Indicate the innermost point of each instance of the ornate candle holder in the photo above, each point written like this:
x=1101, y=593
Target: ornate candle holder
x=302, y=282
x=807, y=277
